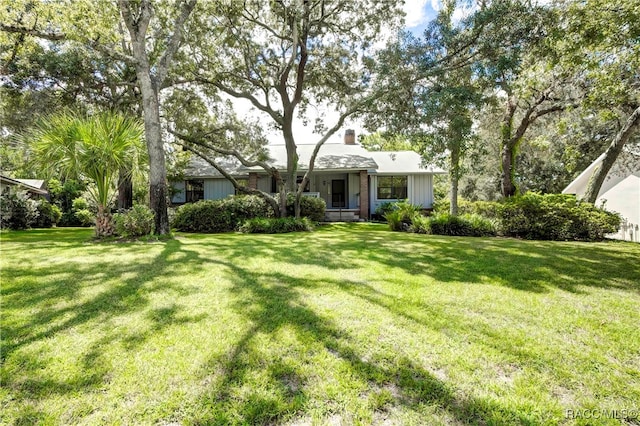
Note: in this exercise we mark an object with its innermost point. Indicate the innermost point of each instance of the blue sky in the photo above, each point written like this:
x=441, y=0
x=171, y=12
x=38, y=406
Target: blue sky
x=419, y=13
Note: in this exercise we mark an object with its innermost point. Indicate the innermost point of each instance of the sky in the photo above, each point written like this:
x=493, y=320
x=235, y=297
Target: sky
x=418, y=15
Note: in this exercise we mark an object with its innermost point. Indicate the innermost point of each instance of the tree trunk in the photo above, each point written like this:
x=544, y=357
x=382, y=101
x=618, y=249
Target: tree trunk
x=155, y=148
x=125, y=190
x=454, y=176
x=610, y=156
x=509, y=188
x=296, y=206
x=104, y=223
x=283, y=199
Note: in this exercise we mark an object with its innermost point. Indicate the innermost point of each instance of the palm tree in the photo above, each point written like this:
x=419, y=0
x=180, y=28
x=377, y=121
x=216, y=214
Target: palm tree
x=96, y=148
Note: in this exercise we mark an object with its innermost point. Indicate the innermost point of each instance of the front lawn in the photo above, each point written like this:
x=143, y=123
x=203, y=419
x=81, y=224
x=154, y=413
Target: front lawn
x=351, y=324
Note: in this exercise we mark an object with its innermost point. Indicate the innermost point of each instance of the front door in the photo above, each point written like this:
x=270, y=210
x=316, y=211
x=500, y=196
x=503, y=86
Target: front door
x=338, y=193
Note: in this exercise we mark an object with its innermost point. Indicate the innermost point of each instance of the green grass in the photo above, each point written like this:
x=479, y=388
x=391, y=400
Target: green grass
x=351, y=324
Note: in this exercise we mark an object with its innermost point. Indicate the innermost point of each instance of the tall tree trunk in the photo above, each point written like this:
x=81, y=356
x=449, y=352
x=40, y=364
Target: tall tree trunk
x=610, y=156
x=508, y=184
x=292, y=157
x=454, y=176
x=509, y=187
x=125, y=190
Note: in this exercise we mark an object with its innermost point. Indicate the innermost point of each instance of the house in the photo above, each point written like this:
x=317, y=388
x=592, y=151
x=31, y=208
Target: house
x=351, y=180
x=34, y=187
x=619, y=193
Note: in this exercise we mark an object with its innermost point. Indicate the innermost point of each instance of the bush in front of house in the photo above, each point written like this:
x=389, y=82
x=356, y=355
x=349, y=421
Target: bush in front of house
x=467, y=225
x=48, y=215
x=243, y=207
x=135, y=222
x=276, y=225
x=488, y=209
x=400, y=215
x=207, y=216
x=420, y=224
x=225, y=215
x=556, y=217
x=17, y=211
x=310, y=207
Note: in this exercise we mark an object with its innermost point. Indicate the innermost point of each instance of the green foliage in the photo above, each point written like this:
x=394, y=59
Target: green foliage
x=80, y=204
x=203, y=216
x=220, y=215
x=310, y=207
x=400, y=214
x=17, y=210
x=384, y=208
x=556, y=217
x=468, y=225
x=84, y=217
x=420, y=224
x=48, y=215
x=394, y=219
x=243, y=207
x=135, y=222
x=277, y=225
x=488, y=209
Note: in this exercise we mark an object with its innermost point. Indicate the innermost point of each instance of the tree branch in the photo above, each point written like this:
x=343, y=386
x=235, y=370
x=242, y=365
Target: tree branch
x=174, y=42
x=236, y=185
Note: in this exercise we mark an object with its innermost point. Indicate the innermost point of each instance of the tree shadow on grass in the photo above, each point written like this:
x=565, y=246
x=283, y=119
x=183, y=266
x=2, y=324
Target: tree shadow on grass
x=65, y=296
x=535, y=266
x=272, y=303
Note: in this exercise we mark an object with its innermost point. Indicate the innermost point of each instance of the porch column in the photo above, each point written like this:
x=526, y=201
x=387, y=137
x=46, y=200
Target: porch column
x=253, y=180
x=364, y=195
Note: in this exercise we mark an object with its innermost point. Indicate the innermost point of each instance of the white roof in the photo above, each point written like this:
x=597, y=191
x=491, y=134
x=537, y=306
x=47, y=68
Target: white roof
x=628, y=162
x=331, y=157
x=396, y=162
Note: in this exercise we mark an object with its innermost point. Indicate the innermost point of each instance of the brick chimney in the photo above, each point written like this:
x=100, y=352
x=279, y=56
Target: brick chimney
x=349, y=137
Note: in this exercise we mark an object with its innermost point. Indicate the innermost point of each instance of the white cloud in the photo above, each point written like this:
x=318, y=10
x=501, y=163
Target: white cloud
x=415, y=12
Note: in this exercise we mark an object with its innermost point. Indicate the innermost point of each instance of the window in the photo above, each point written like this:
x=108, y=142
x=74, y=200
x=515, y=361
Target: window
x=392, y=187
x=194, y=190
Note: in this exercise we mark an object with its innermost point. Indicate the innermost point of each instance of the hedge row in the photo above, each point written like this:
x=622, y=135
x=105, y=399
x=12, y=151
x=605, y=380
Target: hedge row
x=530, y=216
x=210, y=216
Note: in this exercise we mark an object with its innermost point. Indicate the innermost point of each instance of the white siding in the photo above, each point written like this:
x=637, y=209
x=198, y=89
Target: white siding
x=420, y=190
x=215, y=189
x=353, y=186
x=179, y=197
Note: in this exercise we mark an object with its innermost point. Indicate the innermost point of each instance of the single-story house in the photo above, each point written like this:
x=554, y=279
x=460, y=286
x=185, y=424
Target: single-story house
x=36, y=188
x=351, y=180
x=619, y=193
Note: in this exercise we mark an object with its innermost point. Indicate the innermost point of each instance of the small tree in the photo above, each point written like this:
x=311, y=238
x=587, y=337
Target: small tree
x=96, y=148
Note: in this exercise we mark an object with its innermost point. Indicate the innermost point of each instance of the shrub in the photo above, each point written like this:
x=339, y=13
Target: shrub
x=224, y=215
x=463, y=225
x=243, y=207
x=84, y=218
x=488, y=209
x=556, y=217
x=394, y=219
x=310, y=207
x=383, y=209
x=48, y=215
x=401, y=214
x=277, y=225
x=135, y=222
x=17, y=210
x=80, y=204
x=420, y=224
x=203, y=216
